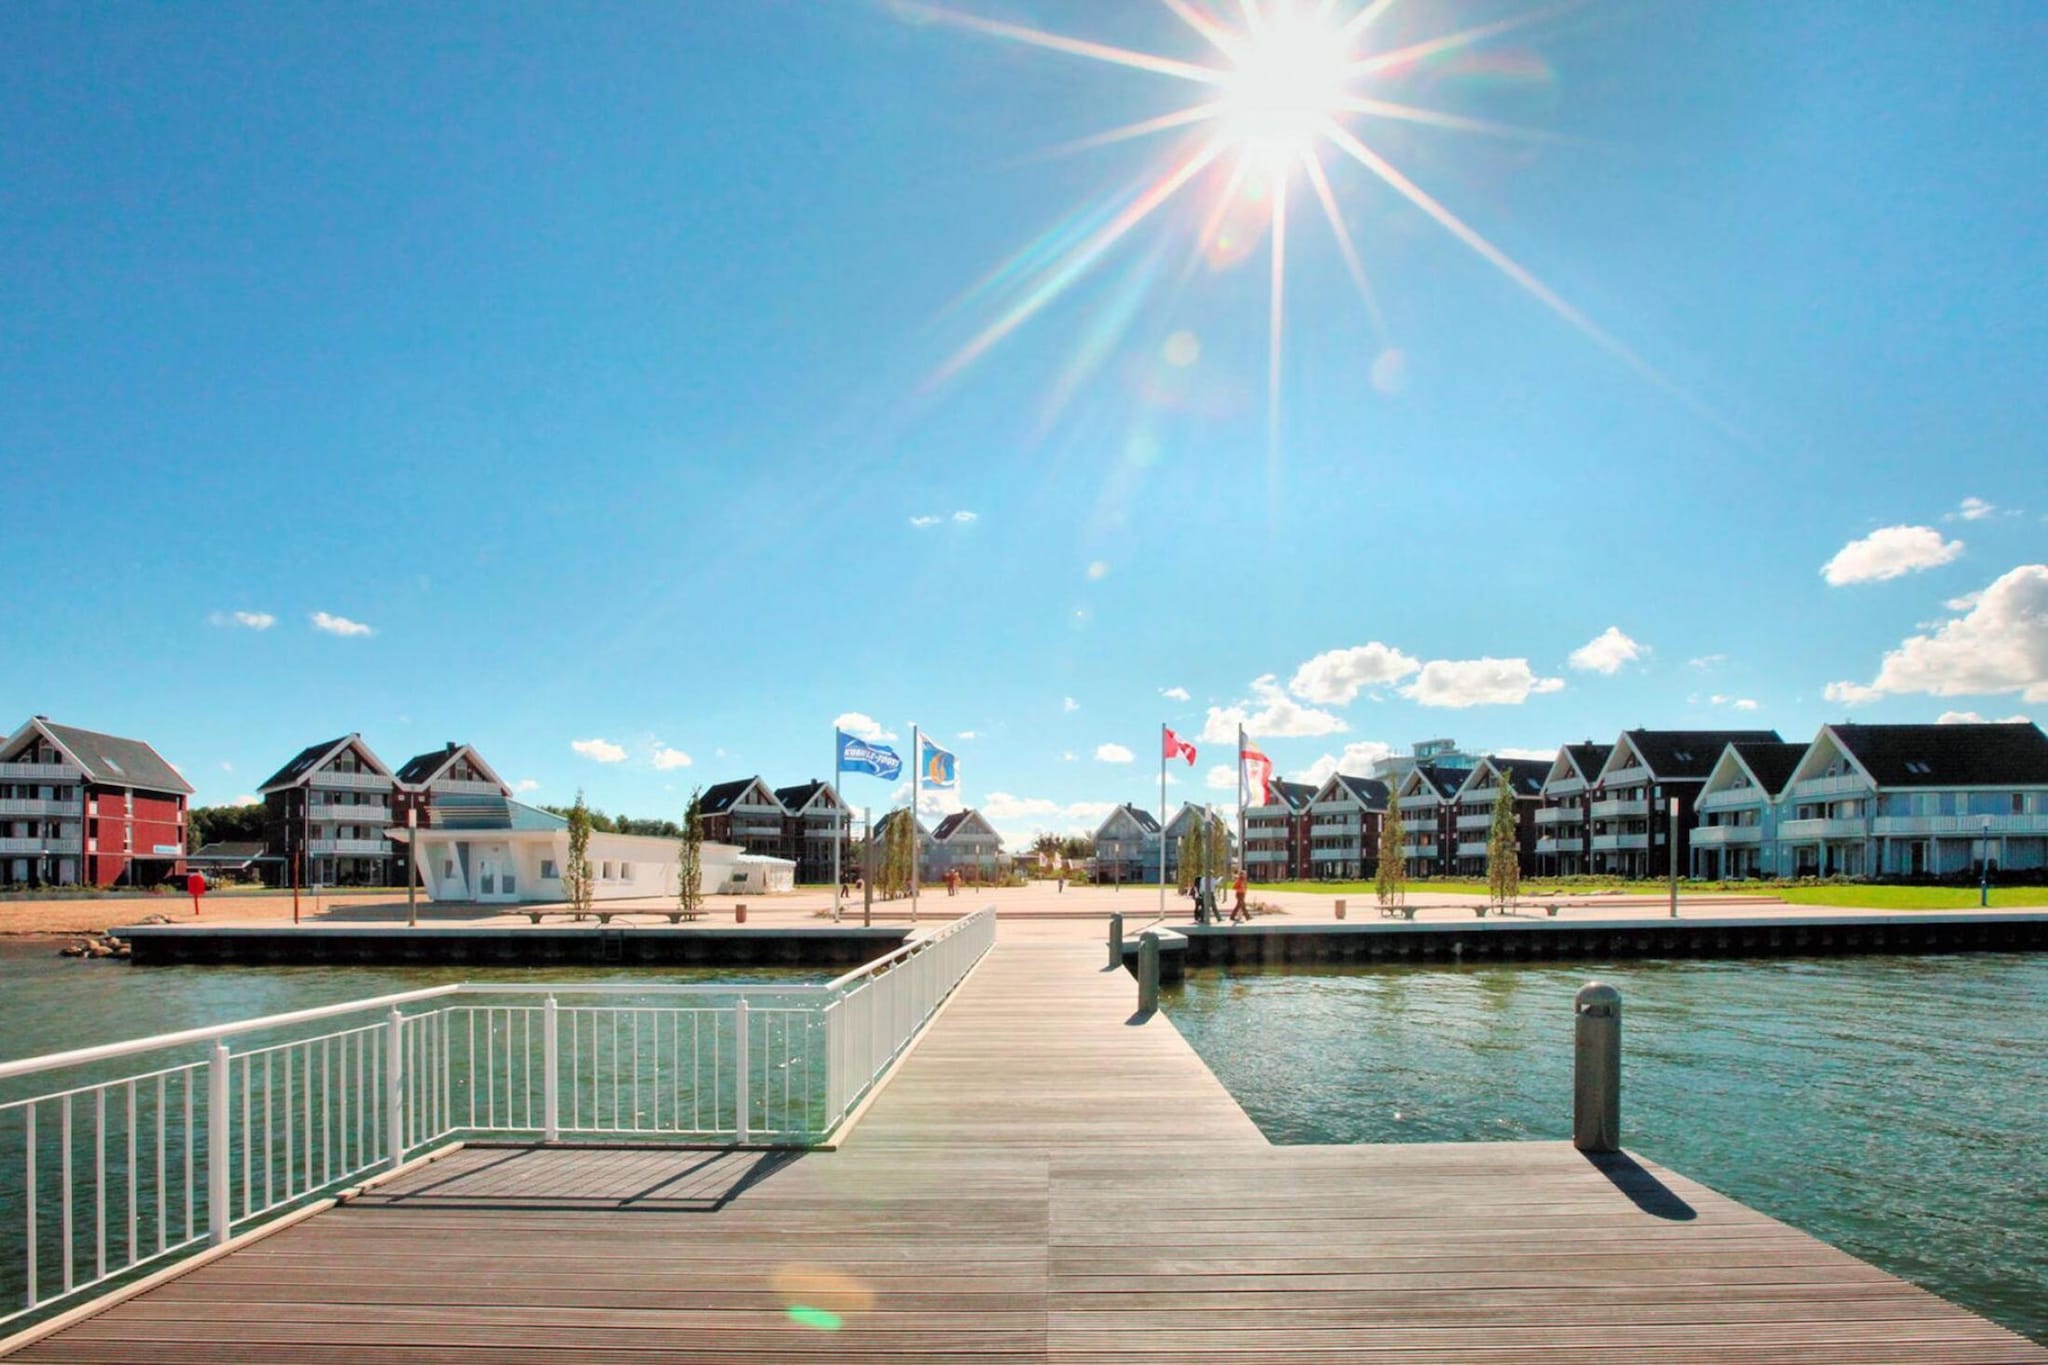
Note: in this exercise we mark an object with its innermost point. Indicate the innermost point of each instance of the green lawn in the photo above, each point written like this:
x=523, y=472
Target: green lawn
x=1913, y=897
x=1848, y=896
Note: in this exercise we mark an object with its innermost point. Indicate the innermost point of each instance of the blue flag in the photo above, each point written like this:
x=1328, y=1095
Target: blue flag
x=936, y=767
x=859, y=756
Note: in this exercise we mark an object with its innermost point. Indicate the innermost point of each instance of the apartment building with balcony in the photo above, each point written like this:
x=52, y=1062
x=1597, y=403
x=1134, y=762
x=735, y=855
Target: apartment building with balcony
x=325, y=814
x=1735, y=834
x=965, y=842
x=747, y=812
x=78, y=806
x=1564, y=828
x=1276, y=834
x=1428, y=836
x=1343, y=821
x=1127, y=846
x=1635, y=833
x=1916, y=800
x=1472, y=811
x=817, y=819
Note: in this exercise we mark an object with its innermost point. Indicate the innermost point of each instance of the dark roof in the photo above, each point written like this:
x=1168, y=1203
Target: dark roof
x=799, y=796
x=230, y=851
x=1525, y=775
x=1589, y=758
x=1444, y=780
x=1371, y=791
x=420, y=767
x=1143, y=817
x=1991, y=755
x=1294, y=794
x=951, y=823
x=302, y=763
x=717, y=799
x=1675, y=755
x=890, y=818
x=116, y=761
x=1771, y=764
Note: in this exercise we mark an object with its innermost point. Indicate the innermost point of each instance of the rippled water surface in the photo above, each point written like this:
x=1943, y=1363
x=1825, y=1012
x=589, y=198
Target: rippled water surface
x=1896, y=1107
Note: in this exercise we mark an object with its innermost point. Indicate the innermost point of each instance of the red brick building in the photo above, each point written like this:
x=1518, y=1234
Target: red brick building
x=78, y=806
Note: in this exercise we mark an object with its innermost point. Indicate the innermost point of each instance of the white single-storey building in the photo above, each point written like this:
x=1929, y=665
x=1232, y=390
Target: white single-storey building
x=498, y=851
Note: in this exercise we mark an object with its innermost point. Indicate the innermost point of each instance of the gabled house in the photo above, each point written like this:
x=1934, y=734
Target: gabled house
x=325, y=817
x=1473, y=804
x=1564, y=831
x=451, y=778
x=748, y=813
x=1127, y=846
x=1917, y=800
x=1189, y=820
x=818, y=819
x=921, y=833
x=81, y=806
x=965, y=842
x=1636, y=831
x=1276, y=834
x=1735, y=833
x=1343, y=822
x=1428, y=838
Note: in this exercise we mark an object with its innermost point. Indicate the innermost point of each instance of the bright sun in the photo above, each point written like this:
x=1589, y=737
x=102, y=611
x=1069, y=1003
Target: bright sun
x=1285, y=85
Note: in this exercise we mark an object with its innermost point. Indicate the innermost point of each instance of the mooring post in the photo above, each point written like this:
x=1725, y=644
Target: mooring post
x=1116, y=940
x=1148, y=972
x=1596, y=1069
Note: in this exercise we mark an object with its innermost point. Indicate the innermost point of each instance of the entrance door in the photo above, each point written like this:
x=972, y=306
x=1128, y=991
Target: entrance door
x=486, y=878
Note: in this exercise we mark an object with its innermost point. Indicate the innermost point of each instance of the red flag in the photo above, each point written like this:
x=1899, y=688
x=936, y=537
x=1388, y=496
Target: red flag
x=1176, y=747
x=1258, y=774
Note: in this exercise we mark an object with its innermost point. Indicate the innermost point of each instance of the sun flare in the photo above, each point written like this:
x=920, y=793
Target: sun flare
x=1286, y=83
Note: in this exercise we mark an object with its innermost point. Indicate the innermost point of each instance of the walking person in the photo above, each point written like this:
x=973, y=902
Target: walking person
x=1238, y=913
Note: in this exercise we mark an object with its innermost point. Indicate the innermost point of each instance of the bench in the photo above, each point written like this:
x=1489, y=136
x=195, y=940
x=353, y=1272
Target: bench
x=605, y=916
x=1404, y=911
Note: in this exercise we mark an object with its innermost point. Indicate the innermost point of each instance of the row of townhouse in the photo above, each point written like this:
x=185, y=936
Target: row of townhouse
x=1127, y=842
x=1855, y=801
x=81, y=807
x=964, y=842
x=800, y=823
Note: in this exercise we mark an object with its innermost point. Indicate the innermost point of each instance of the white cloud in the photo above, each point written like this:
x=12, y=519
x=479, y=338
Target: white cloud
x=1270, y=713
x=1098, y=570
x=599, y=750
x=2000, y=644
x=859, y=725
x=666, y=758
x=922, y=522
x=1535, y=755
x=963, y=517
x=247, y=799
x=1744, y=703
x=1972, y=718
x=1964, y=602
x=226, y=766
x=1174, y=693
x=1114, y=753
x=1971, y=509
x=1356, y=761
x=1477, y=682
x=1003, y=806
x=1606, y=652
x=252, y=620
x=339, y=625
x=526, y=784
x=1336, y=676
x=1706, y=661
x=1889, y=553
x=1222, y=778
x=1850, y=693
x=1068, y=756
x=970, y=734
x=1068, y=704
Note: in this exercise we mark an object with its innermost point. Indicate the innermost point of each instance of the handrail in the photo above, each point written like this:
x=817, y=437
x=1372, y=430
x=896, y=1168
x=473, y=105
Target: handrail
x=29, y=1066
x=908, y=950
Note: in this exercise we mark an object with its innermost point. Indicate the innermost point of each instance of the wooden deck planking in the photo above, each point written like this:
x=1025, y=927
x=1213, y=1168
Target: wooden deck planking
x=1045, y=1178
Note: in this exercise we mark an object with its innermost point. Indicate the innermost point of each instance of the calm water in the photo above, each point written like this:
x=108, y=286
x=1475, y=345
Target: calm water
x=1896, y=1107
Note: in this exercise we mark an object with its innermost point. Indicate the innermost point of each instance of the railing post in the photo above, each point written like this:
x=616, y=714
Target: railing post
x=1596, y=1069
x=739, y=1067
x=1148, y=972
x=1116, y=939
x=218, y=1204
x=394, y=1086
x=551, y=1101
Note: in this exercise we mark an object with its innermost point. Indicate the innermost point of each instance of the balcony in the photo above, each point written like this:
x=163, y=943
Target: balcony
x=757, y=829
x=1472, y=848
x=1266, y=855
x=1331, y=855
x=1733, y=798
x=357, y=782
x=451, y=786
x=1559, y=815
x=351, y=815
x=1343, y=829
x=1622, y=809
x=1849, y=784
x=1564, y=786
x=1627, y=777
x=25, y=805
x=1616, y=843
x=1475, y=821
x=1960, y=826
x=1418, y=850
x=50, y=845
x=359, y=848
x=39, y=772
x=1854, y=827
x=1554, y=846
x=1721, y=836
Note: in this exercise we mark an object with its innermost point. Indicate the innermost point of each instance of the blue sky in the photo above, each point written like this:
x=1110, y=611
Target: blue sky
x=586, y=371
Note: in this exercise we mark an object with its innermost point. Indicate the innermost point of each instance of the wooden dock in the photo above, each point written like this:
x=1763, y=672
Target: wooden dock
x=1046, y=1178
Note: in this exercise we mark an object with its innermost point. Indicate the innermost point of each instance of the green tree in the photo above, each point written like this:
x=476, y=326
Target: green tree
x=1391, y=878
x=1218, y=861
x=1503, y=849
x=899, y=846
x=576, y=878
x=690, y=858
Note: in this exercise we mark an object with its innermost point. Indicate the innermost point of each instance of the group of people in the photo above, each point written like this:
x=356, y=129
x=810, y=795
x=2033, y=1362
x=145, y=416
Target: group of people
x=1206, y=909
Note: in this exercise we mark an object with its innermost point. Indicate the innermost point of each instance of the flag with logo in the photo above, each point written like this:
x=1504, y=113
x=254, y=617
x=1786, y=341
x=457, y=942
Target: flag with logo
x=857, y=755
x=937, y=767
x=1258, y=774
x=1176, y=747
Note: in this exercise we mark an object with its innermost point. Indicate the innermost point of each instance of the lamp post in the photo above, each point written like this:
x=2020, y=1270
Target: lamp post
x=1984, y=866
x=412, y=866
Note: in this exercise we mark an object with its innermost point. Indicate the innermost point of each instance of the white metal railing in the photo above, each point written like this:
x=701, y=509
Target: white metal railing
x=1961, y=826
x=51, y=844
x=38, y=805
x=1620, y=807
x=115, y=1172
x=40, y=772
x=1824, y=827
x=1480, y=821
x=1559, y=815
x=349, y=815
x=1611, y=843
x=1712, y=836
x=1472, y=848
x=360, y=848
x=368, y=782
x=464, y=786
x=1841, y=785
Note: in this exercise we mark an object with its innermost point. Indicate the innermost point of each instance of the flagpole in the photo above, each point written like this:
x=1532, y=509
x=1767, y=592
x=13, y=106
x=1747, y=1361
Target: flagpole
x=838, y=828
x=1243, y=863
x=1162, y=819
x=916, y=769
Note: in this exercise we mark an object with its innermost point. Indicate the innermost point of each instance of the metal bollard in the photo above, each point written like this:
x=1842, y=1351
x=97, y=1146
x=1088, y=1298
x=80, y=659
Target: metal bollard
x=1116, y=940
x=1596, y=1069
x=1148, y=972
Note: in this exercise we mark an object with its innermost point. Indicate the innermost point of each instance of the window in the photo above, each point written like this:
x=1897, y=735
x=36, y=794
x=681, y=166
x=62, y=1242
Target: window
x=547, y=869
x=625, y=872
x=607, y=876
x=448, y=867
